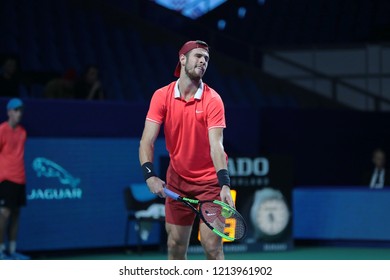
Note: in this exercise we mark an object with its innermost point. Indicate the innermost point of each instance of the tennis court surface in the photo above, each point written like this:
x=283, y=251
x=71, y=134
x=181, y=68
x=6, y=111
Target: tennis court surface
x=299, y=253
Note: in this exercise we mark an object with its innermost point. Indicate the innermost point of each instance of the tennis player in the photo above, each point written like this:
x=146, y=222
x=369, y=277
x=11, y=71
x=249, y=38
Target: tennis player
x=194, y=118
x=12, y=178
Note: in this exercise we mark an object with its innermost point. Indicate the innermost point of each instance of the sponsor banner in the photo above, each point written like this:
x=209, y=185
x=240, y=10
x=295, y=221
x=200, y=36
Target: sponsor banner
x=264, y=185
x=66, y=186
x=75, y=193
x=249, y=171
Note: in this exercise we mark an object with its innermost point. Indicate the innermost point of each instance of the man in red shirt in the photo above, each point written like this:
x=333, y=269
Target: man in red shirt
x=12, y=177
x=194, y=118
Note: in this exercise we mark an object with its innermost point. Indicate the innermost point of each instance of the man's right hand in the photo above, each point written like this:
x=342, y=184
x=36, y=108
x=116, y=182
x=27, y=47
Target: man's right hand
x=156, y=186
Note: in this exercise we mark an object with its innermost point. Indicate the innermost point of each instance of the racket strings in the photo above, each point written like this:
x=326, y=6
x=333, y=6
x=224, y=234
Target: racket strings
x=225, y=220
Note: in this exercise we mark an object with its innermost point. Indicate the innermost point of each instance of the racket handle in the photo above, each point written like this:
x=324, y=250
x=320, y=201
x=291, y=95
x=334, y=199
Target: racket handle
x=171, y=194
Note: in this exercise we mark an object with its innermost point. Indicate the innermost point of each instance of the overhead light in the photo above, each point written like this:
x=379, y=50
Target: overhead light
x=241, y=12
x=221, y=24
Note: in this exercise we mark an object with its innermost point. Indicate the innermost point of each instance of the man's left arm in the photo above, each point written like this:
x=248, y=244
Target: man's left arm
x=219, y=160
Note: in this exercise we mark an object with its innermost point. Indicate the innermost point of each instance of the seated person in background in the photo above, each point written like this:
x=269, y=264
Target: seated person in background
x=62, y=87
x=379, y=176
x=89, y=86
x=9, y=80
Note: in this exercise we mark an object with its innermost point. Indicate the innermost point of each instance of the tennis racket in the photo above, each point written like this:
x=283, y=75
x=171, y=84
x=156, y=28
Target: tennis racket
x=217, y=215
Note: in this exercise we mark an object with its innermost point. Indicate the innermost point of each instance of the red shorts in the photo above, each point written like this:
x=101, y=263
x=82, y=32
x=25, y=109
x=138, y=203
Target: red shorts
x=176, y=212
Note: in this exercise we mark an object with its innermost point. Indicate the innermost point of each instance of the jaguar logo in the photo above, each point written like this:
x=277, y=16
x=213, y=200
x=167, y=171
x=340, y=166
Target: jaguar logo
x=47, y=168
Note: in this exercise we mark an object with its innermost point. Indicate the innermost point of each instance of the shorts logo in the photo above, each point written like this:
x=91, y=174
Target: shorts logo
x=67, y=186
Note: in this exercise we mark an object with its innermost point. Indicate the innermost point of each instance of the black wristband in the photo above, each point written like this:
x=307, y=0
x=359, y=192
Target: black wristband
x=148, y=170
x=223, y=178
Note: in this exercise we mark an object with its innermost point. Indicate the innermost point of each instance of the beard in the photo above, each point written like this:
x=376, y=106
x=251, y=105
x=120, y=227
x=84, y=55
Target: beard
x=191, y=73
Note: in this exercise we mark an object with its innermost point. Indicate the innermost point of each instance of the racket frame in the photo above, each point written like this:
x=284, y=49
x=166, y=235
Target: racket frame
x=190, y=203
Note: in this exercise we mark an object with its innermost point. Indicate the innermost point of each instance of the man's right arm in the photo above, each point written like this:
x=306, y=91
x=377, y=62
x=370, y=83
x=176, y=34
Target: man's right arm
x=146, y=155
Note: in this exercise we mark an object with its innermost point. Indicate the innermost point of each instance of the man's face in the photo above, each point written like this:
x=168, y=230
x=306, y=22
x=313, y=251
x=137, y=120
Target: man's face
x=15, y=115
x=379, y=159
x=196, y=62
x=9, y=67
x=92, y=75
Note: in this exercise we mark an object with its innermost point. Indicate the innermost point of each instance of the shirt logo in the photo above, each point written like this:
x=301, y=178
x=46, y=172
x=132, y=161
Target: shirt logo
x=198, y=111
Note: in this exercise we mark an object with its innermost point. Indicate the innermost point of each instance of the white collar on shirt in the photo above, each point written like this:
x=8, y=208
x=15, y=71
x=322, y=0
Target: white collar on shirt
x=198, y=93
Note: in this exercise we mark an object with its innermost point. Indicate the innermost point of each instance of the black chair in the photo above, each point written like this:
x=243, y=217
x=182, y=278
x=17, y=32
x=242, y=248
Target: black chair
x=132, y=206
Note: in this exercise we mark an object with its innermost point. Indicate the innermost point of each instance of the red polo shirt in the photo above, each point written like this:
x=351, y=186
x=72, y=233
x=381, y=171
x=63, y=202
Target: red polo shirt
x=12, y=153
x=186, y=127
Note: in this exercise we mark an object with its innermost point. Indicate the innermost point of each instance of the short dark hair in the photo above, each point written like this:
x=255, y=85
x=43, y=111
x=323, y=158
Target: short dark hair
x=203, y=43
x=379, y=150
